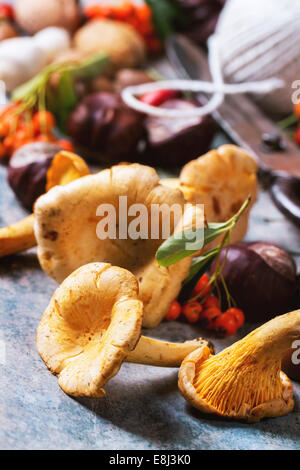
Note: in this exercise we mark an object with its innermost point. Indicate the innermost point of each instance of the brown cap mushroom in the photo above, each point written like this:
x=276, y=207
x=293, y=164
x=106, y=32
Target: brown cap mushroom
x=244, y=381
x=92, y=324
x=65, y=167
x=222, y=180
x=66, y=223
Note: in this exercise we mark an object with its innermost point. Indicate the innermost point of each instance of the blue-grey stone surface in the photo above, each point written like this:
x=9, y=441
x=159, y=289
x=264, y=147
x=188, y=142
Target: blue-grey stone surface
x=143, y=408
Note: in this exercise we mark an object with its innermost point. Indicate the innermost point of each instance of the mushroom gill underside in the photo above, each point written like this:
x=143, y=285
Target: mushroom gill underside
x=245, y=380
x=237, y=387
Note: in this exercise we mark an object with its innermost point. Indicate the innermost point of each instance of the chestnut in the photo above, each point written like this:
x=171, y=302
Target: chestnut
x=174, y=142
x=105, y=128
x=27, y=171
x=261, y=277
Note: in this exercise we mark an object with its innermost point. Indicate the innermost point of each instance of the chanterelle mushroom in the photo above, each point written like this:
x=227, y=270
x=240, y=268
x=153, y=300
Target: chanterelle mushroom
x=92, y=324
x=222, y=180
x=66, y=231
x=65, y=167
x=244, y=381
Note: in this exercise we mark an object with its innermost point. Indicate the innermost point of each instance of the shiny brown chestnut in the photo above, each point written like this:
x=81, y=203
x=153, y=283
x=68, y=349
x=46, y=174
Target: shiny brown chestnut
x=105, y=129
x=27, y=171
x=174, y=142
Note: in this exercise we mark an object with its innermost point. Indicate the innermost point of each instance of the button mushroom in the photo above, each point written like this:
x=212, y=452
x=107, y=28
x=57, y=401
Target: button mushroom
x=65, y=167
x=71, y=213
x=244, y=381
x=221, y=180
x=92, y=324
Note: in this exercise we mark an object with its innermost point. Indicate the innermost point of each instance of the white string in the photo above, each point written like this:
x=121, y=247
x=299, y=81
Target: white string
x=217, y=88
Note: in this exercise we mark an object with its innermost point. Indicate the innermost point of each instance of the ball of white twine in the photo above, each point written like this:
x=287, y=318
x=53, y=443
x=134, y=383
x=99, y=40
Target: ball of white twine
x=217, y=88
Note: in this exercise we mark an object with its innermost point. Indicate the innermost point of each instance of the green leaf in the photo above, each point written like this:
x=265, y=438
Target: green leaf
x=32, y=86
x=174, y=248
x=201, y=263
x=166, y=16
x=91, y=67
x=213, y=231
x=62, y=100
x=65, y=99
x=28, y=88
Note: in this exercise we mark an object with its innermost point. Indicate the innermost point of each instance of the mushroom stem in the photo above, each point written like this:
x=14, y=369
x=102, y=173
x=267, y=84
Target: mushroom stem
x=273, y=339
x=17, y=237
x=244, y=381
x=65, y=167
x=154, y=352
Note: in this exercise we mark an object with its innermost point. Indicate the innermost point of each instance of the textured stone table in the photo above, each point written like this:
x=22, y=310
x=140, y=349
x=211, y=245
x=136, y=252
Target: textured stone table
x=143, y=408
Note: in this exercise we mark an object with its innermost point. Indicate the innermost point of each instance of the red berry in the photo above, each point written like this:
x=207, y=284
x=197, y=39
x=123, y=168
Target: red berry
x=6, y=11
x=155, y=98
x=297, y=109
x=211, y=301
x=43, y=122
x=238, y=315
x=202, y=287
x=9, y=142
x=297, y=136
x=45, y=138
x=208, y=317
x=192, y=311
x=226, y=324
x=2, y=150
x=174, y=311
x=65, y=145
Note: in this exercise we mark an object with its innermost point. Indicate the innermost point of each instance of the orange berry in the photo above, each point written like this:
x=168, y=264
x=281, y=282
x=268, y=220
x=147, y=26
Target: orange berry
x=134, y=22
x=65, y=145
x=202, y=287
x=144, y=28
x=93, y=11
x=11, y=122
x=174, y=311
x=43, y=122
x=126, y=8
x=23, y=133
x=192, y=311
x=297, y=136
x=9, y=142
x=211, y=301
x=238, y=315
x=225, y=324
x=45, y=138
x=208, y=317
x=3, y=152
x=107, y=11
x=6, y=11
x=3, y=129
x=20, y=143
x=297, y=109
x=144, y=13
